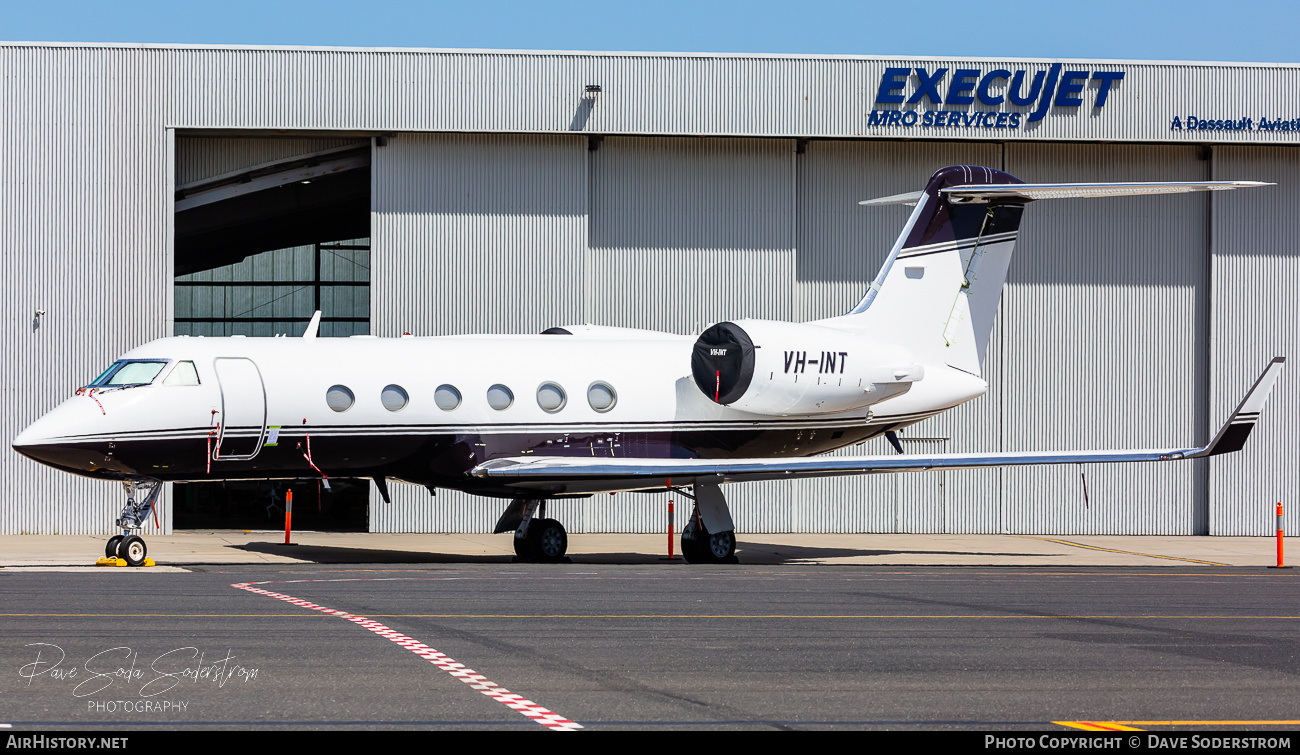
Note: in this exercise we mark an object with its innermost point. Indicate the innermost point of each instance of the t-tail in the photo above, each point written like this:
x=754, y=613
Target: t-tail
x=937, y=293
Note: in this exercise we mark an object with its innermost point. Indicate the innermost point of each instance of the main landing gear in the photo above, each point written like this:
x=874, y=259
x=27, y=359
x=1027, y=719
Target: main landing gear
x=709, y=537
x=699, y=546
x=536, y=537
x=141, y=495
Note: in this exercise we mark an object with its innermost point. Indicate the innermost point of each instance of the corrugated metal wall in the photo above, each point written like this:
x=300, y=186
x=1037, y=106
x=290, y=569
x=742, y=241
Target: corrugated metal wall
x=1256, y=281
x=466, y=226
x=686, y=232
x=702, y=94
x=85, y=235
x=1104, y=325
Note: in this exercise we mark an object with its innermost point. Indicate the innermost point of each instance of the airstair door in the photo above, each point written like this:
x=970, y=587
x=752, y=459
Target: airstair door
x=243, y=409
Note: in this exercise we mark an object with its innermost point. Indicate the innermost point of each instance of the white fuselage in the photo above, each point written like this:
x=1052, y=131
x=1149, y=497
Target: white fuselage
x=261, y=409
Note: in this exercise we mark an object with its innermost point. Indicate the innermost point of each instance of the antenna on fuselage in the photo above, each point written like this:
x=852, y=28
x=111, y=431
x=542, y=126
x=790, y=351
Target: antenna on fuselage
x=313, y=327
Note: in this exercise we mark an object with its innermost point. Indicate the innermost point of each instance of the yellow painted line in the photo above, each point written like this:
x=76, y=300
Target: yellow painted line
x=1112, y=550
x=1132, y=725
x=1209, y=723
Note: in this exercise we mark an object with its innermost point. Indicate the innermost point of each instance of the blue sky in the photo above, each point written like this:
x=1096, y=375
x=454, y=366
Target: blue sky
x=1132, y=29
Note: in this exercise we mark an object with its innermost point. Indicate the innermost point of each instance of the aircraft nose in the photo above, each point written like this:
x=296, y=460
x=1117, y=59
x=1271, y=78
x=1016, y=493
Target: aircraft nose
x=37, y=442
x=35, y=435
x=53, y=439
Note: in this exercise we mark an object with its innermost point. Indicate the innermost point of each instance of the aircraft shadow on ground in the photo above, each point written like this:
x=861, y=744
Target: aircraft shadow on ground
x=758, y=554
x=331, y=554
x=769, y=553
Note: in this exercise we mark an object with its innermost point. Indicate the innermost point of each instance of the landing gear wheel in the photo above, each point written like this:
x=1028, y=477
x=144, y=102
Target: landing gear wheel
x=720, y=546
x=110, y=550
x=550, y=541
x=691, y=543
x=133, y=550
x=699, y=546
x=522, y=547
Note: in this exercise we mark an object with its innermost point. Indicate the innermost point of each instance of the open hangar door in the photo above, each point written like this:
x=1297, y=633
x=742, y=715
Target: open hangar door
x=269, y=229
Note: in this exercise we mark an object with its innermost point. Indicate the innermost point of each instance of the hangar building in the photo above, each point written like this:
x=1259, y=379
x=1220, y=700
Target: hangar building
x=151, y=190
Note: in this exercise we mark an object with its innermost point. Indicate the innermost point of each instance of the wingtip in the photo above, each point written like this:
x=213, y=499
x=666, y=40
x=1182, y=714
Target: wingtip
x=1232, y=436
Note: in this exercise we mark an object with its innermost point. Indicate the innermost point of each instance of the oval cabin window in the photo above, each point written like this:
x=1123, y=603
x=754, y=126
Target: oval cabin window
x=551, y=397
x=339, y=398
x=446, y=397
x=394, y=398
x=601, y=396
x=499, y=397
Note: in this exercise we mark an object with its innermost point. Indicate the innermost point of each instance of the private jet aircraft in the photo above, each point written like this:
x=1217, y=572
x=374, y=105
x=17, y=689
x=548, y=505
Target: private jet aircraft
x=581, y=410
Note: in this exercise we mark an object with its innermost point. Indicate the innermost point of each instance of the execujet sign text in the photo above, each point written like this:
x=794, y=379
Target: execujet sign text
x=997, y=88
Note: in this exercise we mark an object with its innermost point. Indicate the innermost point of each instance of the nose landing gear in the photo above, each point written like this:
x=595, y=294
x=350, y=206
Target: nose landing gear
x=140, y=500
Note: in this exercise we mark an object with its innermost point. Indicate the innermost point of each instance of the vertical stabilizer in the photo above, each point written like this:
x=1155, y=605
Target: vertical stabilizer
x=938, y=290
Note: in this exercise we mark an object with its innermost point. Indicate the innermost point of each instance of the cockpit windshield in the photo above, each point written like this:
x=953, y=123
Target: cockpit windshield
x=124, y=372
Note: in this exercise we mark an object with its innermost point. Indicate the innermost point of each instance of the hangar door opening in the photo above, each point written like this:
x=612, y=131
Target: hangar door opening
x=268, y=230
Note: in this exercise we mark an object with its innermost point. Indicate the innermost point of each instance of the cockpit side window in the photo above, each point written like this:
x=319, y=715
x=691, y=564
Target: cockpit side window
x=182, y=374
x=125, y=373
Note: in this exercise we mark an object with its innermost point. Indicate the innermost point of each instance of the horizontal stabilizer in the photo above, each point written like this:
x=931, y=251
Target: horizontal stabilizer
x=558, y=474
x=985, y=192
x=910, y=199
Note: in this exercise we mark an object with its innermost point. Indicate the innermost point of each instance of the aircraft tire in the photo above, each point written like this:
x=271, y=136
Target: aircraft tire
x=110, y=549
x=523, y=547
x=133, y=550
x=720, y=547
x=549, y=540
x=691, y=543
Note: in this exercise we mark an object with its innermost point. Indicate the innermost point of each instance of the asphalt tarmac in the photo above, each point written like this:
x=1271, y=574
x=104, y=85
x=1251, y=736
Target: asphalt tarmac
x=650, y=646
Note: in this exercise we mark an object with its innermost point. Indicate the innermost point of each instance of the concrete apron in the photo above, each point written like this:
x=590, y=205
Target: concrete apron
x=242, y=547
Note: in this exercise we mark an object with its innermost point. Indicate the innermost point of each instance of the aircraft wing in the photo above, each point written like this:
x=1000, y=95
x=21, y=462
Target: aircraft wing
x=558, y=474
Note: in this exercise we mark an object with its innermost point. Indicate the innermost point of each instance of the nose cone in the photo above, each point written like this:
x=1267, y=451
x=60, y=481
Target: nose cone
x=27, y=438
x=64, y=438
x=42, y=432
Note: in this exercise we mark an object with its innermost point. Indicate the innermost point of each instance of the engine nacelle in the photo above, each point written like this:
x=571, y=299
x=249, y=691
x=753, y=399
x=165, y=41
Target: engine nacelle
x=783, y=368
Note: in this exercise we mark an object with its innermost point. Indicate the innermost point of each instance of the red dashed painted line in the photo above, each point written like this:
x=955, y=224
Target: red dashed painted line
x=474, y=679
